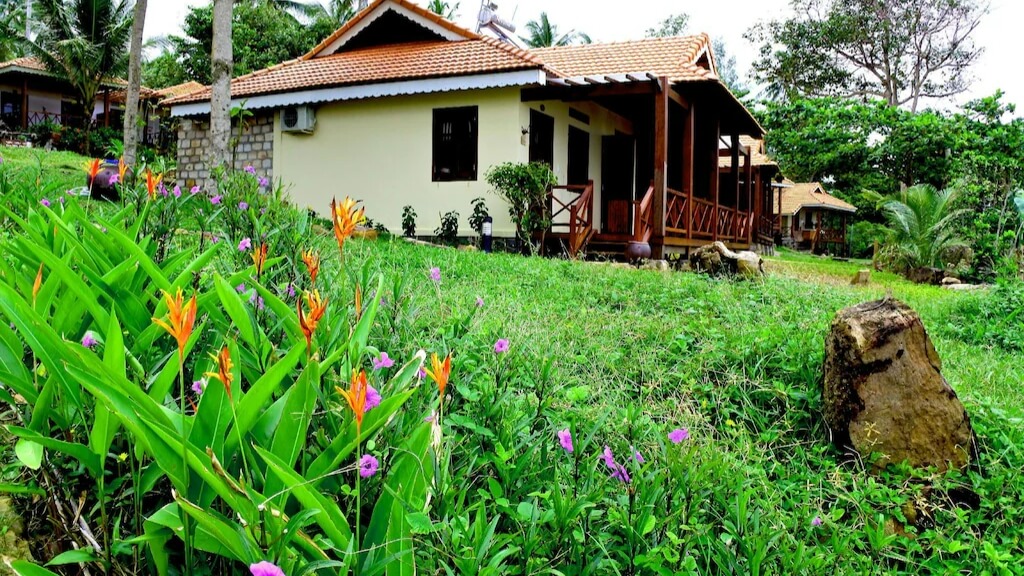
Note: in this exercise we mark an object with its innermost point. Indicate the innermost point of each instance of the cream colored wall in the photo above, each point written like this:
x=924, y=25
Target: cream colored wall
x=603, y=122
x=379, y=151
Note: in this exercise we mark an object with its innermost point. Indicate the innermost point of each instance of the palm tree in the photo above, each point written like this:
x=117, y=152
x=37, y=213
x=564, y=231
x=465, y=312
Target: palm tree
x=220, y=101
x=921, y=220
x=543, y=33
x=131, y=104
x=443, y=9
x=12, y=28
x=85, y=42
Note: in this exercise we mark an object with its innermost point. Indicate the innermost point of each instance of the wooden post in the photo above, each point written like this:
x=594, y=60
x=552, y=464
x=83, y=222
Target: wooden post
x=748, y=177
x=715, y=172
x=24, y=105
x=106, y=107
x=660, y=168
x=758, y=202
x=688, y=131
x=735, y=153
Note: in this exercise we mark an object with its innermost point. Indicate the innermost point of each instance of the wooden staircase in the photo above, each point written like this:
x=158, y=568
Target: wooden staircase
x=579, y=229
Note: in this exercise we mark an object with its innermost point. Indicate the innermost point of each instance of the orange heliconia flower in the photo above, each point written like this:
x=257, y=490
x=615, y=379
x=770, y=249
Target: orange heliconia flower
x=440, y=371
x=181, y=316
x=37, y=284
x=92, y=168
x=259, y=258
x=152, y=182
x=312, y=261
x=122, y=169
x=345, y=218
x=317, y=307
x=223, y=372
x=356, y=396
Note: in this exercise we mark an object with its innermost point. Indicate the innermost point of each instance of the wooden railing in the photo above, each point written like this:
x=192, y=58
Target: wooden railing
x=726, y=222
x=703, y=223
x=676, y=223
x=580, y=210
x=765, y=226
x=643, y=223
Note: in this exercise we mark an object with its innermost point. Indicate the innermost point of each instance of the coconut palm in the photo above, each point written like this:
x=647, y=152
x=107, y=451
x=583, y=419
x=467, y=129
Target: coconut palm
x=543, y=34
x=12, y=28
x=85, y=42
x=131, y=105
x=921, y=220
x=220, y=89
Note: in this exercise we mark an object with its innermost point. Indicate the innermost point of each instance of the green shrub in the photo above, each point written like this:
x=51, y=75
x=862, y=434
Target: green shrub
x=862, y=237
x=524, y=187
x=992, y=318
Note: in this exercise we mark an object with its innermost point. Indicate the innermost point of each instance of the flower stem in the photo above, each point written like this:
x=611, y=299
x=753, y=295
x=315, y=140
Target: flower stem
x=184, y=463
x=359, y=500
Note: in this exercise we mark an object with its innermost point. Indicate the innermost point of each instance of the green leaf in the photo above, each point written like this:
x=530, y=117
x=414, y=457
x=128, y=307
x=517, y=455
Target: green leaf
x=80, y=556
x=24, y=568
x=29, y=453
x=236, y=310
x=228, y=534
x=79, y=452
x=420, y=523
x=290, y=437
x=251, y=406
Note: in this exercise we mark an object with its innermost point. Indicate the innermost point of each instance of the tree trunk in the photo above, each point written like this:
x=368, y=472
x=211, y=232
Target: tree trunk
x=220, y=102
x=131, y=104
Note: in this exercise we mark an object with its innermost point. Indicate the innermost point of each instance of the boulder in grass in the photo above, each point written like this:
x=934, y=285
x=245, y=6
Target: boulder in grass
x=884, y=392
x=861, y=278
x=716, y=259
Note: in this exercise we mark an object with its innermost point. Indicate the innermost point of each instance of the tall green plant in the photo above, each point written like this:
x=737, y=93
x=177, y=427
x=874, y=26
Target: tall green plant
x=922, y=220
x=524, y=187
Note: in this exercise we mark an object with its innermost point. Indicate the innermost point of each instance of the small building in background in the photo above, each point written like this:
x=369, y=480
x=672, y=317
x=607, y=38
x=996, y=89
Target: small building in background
x=812, y=219
x=30, y=94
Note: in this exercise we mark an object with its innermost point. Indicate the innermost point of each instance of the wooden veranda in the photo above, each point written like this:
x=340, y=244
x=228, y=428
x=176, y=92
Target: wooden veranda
x=691, y=180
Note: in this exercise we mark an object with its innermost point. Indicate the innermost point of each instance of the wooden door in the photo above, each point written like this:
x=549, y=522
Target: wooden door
x=617, y=163
x=578, y=169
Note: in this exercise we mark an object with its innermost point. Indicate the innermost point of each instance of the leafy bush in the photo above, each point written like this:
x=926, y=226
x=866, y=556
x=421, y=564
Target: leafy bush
x=524, y=187
x=862, y=237
x=448, y=231
x=993, y=318
x=408, y=222
x=476, y=219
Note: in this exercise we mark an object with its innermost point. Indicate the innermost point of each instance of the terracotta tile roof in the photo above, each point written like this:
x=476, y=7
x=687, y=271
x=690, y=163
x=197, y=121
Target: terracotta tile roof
x=675, y=57
x=34, y=65
x=177, y=90
x=415, y=8
x=758, y=157
x=388, y=63
x=809, y=195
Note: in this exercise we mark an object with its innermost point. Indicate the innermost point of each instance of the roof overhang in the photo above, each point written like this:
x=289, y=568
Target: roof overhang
x=400, y=88
x=823, y=207
x=50, y=75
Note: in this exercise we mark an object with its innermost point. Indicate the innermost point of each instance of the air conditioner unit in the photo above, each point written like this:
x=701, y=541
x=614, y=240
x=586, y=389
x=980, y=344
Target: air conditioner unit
x=298, y=119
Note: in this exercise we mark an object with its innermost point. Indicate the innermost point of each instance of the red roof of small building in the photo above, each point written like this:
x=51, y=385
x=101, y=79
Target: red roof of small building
x=677, y=57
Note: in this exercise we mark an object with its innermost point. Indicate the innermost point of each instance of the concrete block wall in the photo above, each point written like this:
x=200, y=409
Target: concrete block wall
x=256, y=149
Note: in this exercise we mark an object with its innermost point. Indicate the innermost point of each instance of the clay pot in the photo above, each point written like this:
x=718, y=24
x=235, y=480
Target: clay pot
x=637, y=251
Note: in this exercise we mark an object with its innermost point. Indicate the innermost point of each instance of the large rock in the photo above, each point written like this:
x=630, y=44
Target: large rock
x=884, y=391
x=861, y=278
x=925, y=275
x=717, y=259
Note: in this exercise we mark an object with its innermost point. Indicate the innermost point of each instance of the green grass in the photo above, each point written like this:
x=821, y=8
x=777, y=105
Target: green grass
x=64, y=170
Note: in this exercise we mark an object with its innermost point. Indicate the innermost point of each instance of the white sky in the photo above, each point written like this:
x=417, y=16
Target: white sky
x=603, y=20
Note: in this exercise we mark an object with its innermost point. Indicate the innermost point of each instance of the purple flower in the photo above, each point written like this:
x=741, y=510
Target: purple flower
x=383, y=362
x=162, y=189
x=198, y=386
x=214, y=239
x=421, y=373
x=678, y=435
x=61, y=200
x=816, y=522
x=501, y=346
x=565, y=439
x=636, y=455
x=435, y=274
x=240, y=288
x=291, y=290
x=256, y=300
x=89, y=341
x=609, y=459
x=176, y=191
x=245, y=244
x=194, y=190
x=264, y=182
x=114, y=179
x=243, y=205
x=265, y=568
x=372, y=398
x=250, y=169
x=215, y=199
x=45, y=202
x=479, y=302
x=619, y=473
x=367, y=466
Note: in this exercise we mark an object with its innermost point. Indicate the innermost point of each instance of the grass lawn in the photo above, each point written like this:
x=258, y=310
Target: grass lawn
x=56, y=171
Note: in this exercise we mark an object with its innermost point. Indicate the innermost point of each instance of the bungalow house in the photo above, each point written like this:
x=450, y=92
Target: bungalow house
x=30, y=94
x=402, y=107
x=812, y=219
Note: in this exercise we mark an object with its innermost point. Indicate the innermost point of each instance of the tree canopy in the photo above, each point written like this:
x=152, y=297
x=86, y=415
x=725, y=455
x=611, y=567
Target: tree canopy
x=900, y=51
x=542, y=33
